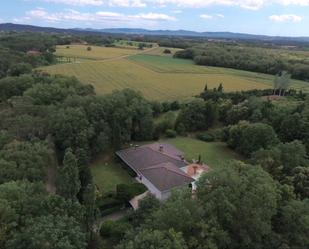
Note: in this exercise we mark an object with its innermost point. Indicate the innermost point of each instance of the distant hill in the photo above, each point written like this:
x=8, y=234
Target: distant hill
x=128, y=31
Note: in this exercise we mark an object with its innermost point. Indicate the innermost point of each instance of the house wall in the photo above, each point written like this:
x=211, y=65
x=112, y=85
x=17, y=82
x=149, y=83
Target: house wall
x=165, y=195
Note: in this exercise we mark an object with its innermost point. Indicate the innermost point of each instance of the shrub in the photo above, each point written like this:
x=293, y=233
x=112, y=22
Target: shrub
x=19, y=69
x=104, y=203
x=171, y=133
x=219, y=134
x=123, y=192
x=89, y=48
x=112, y=210
x=106, y=228
x=206, y=137
x=137, y=188
x=114, y=230
x=126, y=192
x=181, y=129
x=167, y=51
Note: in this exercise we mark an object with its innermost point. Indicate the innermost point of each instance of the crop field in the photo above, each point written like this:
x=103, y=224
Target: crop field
x=157, y=77
x=169, y=65
x=96, y=53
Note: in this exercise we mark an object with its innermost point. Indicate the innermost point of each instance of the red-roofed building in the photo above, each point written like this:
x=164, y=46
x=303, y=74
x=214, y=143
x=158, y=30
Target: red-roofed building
x=33, y=53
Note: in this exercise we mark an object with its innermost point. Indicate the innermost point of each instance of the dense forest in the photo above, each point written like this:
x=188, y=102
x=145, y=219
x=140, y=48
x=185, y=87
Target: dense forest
x=51, y=127
x=250, y=58
x=56, y=124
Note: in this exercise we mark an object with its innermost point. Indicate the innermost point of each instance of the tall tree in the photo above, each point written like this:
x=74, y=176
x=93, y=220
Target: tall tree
x=147, y=239
x=292, y=223
x=68, y=183
x=241, y=200
x=49, y=232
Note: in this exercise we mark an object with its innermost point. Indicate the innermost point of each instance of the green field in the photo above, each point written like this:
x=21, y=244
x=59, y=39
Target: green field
x=215, y=154
x=172, y=65
x=96, y=53
x=107, y=174
x=157, y=77
x=159, y=51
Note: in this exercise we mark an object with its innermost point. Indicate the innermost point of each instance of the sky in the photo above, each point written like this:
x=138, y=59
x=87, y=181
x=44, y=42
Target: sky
x=267, y=17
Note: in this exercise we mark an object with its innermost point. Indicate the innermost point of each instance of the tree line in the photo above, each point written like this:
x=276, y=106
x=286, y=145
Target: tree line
x=255, y=59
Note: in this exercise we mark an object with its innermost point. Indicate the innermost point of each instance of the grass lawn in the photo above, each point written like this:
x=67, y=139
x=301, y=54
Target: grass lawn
x=107, y=174
x=215, y=154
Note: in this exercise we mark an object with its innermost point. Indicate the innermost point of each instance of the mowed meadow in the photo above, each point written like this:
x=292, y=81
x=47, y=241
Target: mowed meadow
x=96, y=52
x=157, y=76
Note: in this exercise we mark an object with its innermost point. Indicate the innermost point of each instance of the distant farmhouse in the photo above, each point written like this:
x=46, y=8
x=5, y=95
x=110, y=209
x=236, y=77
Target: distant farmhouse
x=161, y=168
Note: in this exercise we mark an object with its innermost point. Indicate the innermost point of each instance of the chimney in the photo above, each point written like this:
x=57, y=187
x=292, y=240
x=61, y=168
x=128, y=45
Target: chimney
x=195, y=167
x=161, y=148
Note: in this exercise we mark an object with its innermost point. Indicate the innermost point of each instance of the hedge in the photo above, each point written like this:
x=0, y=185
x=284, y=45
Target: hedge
x=205, y=136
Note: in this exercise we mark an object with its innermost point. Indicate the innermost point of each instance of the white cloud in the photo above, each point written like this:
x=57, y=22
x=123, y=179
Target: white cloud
x=247, y=4
x=118, y=3
x=294, y=2
x=78, y=2
x=176, y=11
x=204, y=16
x=286, y=18
x=155, y=17
x=220, y=15
x=209, y=17
x=127, y=3
x=100, y=17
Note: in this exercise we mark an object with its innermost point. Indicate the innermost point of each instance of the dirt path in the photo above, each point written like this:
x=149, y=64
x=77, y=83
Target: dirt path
x=51, y=174
x=114, y=217
x=51, y=178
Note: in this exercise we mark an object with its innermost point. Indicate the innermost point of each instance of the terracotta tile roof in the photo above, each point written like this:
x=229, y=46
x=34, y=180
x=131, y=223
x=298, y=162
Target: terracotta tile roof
x=196, y=169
